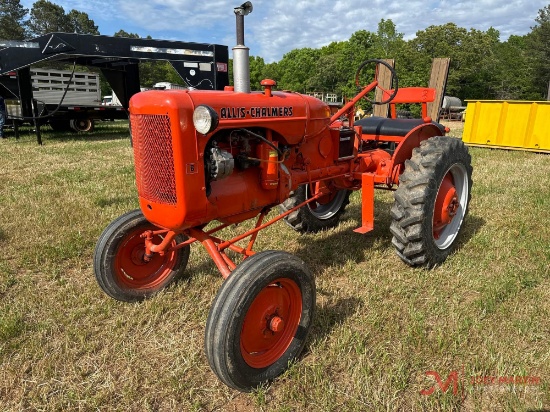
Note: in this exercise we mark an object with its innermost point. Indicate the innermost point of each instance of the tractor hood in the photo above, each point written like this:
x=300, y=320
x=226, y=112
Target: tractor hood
x=291, y=115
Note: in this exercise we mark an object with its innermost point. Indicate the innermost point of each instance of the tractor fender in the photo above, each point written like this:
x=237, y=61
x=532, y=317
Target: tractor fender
x=412, y=139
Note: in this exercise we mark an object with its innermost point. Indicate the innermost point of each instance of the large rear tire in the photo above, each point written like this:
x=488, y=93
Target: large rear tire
x=260, y=319
x=316, y=216
x=432, y=201
x=119, y=267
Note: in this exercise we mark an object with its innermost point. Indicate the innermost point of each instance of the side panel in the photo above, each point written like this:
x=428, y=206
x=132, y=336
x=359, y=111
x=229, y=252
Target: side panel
x=508, y=124
x=49, y=85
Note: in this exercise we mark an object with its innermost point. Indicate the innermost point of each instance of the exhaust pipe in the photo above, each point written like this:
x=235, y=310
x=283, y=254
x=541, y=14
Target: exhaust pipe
x=241, y=62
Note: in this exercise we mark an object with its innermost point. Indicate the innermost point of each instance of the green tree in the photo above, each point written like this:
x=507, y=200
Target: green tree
x=328, y=74
x=12, y=25
x=325, y=74
x=47, y=17
x=514, y=72
x=270, y=71
x=388, y=42
x=471, y=53
x=296, y=69
x=81, y=23
x=122, y=33
x=257, y=67
x=538, y=43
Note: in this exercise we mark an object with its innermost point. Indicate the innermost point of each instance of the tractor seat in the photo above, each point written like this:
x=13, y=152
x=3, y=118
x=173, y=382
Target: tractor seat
x=382, y=126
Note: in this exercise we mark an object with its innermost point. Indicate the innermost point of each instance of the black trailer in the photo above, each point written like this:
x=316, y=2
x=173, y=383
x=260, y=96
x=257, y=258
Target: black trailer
x=200, y=65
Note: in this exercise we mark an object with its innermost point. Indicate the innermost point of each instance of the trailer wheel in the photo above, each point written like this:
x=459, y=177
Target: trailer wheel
x=260, y=319
x=118, y=260
x=432, y=201
x=316, y=216
x=82, y=125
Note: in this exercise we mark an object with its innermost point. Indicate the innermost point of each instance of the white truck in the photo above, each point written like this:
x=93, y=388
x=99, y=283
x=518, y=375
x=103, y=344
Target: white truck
x=168, y=86
x=111, y=100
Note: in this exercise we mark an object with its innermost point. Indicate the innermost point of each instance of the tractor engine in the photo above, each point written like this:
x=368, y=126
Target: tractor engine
x=205, y=155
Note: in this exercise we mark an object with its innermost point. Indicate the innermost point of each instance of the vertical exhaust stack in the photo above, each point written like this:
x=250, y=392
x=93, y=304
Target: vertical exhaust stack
x=241, y=62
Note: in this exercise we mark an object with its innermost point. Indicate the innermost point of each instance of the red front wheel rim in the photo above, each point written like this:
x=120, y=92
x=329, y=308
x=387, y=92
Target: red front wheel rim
x=271, y=323
x=132, y=271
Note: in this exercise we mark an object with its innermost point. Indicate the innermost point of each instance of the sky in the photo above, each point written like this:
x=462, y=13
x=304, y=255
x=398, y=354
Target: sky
x=277, y=27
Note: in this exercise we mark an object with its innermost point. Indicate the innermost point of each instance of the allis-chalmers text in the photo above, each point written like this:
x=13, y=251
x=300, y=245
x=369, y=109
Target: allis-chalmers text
x=255, y=112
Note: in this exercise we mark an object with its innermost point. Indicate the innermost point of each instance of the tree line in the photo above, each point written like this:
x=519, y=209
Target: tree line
x=482, y=66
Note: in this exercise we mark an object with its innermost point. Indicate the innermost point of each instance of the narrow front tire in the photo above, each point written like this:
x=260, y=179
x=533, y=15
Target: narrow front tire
x=119, y=265
x=260, y=319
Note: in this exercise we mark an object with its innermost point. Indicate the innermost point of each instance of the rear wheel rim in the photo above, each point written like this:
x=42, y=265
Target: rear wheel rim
x=327, y=206
x=132, y=272
x=450, y=206
x=271, y=323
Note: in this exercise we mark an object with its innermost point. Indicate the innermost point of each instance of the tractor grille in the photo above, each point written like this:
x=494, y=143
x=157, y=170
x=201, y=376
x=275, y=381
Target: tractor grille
x=154, y=158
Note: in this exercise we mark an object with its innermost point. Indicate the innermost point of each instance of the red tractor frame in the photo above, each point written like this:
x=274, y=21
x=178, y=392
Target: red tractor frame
x=233, y=155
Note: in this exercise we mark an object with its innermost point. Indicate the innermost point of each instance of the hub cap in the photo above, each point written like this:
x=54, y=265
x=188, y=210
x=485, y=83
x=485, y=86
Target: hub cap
x=271, y=323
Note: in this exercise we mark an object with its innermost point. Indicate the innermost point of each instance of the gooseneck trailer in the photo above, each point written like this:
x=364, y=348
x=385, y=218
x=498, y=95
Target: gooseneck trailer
x=201, y=66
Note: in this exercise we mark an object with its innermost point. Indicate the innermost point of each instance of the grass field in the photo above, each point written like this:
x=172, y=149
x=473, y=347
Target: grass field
x=379, y=326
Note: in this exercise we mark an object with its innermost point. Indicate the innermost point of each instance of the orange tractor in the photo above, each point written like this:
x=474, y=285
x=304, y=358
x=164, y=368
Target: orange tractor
x=233, y=155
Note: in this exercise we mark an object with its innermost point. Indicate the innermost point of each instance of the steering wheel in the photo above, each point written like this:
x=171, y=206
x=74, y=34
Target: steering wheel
x=384, y=91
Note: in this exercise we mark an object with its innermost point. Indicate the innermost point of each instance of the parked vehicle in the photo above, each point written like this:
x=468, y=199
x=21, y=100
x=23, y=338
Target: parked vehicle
x=73, y=99
x=168, y=86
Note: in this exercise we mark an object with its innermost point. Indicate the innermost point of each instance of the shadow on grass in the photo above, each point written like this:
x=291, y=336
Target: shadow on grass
x=470, y=227
x=345, y=246
x=322, y=250
x=95, y=136
x=104, y=131
x=103, y=202
x=329, y=316
x=319, y=251
x=341, y=246
x=3, y=235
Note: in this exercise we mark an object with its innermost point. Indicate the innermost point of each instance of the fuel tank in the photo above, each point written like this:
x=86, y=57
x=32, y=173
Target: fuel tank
x=169, y=153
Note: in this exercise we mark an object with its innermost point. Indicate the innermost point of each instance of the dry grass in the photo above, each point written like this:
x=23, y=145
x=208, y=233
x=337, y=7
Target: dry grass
x=379, y=326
